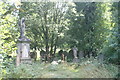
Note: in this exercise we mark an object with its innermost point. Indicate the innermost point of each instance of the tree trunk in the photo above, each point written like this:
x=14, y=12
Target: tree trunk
x=51, y=51
x=56, y=41
x=46, y=34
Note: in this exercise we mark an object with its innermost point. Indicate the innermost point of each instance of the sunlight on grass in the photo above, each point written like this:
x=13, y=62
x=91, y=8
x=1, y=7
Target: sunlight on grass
x=63, y=70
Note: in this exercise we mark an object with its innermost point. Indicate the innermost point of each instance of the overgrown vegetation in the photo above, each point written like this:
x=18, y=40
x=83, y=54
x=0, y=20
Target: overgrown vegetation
x=86, y=69
x=92, y=26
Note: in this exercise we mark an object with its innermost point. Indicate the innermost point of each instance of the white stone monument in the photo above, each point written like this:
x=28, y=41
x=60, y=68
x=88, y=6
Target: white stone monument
x=23, y=46
x=75, y=60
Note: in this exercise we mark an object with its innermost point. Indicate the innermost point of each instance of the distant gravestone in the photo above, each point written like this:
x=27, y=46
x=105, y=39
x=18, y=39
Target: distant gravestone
x=81, y=55
x=33, y=55
x=75, y=60
x=43, y=55
x=23, y=45
x=100, y=58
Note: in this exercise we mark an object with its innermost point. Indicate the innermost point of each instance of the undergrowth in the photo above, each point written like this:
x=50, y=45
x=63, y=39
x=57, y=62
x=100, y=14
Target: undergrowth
x=84, y=69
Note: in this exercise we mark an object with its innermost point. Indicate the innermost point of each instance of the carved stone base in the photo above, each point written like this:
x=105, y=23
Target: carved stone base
x=26, y=60
x=76, y=60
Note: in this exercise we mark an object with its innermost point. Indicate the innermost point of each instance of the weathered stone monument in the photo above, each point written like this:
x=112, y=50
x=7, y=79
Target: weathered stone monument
x=23, y=45
x=81, y=55
x=75, y=60
x=100, y=58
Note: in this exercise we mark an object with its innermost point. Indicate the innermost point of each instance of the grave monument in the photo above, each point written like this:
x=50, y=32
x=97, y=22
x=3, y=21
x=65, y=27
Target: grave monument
x=100, y=58
x=81, y=55
x=75, y=60
x=23, y=45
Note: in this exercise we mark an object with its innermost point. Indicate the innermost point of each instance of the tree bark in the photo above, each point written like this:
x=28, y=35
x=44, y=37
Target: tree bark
x=56, y=41
x=52, y=44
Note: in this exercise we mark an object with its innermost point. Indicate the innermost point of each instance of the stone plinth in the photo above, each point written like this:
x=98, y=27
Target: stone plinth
x=26, y=60
x=23, y=50
x=76, y=60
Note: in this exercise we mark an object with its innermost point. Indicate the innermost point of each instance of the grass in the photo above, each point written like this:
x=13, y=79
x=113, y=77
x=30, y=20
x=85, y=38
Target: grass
x=85, y=69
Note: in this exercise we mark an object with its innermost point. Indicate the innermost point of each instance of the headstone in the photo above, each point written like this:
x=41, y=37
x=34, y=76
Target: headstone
x=70, y=56
x=33, y=55
x=75, y=60
x=43, y=55
x=100, y=58
x=81, y=55
x=23, y=45
x=91, y=55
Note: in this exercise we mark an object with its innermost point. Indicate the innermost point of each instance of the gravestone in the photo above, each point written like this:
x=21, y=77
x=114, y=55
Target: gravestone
x=33, y=55
x=81, y=55
x=100, y=58
x=23, y=45
x=75, y=60
x=43, y=55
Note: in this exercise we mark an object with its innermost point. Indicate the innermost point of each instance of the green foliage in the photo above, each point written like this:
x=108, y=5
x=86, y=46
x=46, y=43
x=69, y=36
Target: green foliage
x=8, y=30
x=86, y=69
x=96, y=30
x=89, y=30
x=111, y=48
x=93, y=27
x=47, y=23
x=8, y=35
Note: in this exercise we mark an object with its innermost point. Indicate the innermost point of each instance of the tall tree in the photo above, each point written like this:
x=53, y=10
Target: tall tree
x=46, y=23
